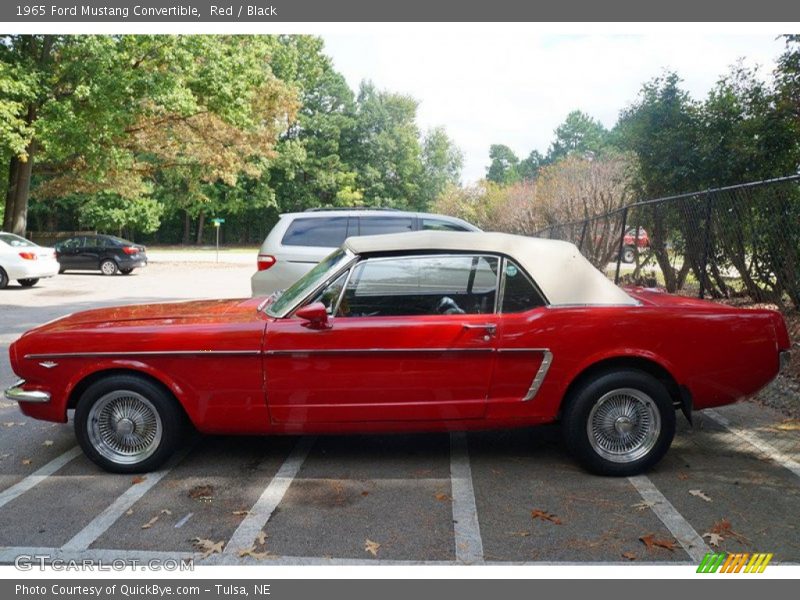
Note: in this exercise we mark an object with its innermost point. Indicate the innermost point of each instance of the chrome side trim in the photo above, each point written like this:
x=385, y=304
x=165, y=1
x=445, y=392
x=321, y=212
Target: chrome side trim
x=145, y=353
x=377, y=350
x=538, y=379
x=16, y=394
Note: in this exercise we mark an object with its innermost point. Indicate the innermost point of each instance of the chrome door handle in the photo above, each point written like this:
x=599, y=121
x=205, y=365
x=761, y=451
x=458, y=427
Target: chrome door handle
x=491, y=328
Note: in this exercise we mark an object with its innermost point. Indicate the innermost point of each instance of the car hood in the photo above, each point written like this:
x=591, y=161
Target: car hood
x=196, y=311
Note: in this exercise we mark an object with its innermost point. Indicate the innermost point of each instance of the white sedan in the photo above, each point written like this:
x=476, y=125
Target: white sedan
x=24, y=261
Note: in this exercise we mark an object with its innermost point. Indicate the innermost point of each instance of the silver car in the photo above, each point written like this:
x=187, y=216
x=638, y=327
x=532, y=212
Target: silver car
x=300, y=240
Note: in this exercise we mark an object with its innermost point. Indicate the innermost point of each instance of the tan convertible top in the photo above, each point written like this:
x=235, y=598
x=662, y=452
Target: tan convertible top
x=560, y=270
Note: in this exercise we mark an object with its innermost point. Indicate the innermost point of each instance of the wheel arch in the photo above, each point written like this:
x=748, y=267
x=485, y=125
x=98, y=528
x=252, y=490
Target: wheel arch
x=680, y=395
x=87, y=380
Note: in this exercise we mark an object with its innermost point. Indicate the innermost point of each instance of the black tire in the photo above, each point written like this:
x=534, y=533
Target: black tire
x=3, y=279
x=61, y=270
x=28, y=282
x=126, y=271
x=108, y=267
x=650, y=419
x=628, y=254
x=157, y=427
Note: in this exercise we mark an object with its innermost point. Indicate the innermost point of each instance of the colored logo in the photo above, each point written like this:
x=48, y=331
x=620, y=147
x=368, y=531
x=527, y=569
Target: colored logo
x=723, y=562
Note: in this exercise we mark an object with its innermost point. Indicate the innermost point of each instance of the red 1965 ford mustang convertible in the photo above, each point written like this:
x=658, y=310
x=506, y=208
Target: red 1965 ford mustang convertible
x=427, y=331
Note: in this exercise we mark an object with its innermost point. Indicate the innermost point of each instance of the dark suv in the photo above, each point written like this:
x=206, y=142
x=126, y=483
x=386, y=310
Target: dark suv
x=105, y=253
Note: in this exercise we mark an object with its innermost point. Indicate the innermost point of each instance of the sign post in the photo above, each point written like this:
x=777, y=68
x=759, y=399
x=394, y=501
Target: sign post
x=217, y=223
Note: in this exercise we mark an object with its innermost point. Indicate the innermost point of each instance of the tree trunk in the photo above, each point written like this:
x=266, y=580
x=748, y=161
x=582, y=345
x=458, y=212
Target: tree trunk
x=22, y=187
x=187, y=228
x=8, y=217
x=201, y=221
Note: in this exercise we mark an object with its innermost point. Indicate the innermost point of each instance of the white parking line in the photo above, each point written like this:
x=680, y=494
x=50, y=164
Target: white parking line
x=245, y=535
x=767, y=449
x=37, y=476
x=469, y=545
x=679, y=527
x=102, y=522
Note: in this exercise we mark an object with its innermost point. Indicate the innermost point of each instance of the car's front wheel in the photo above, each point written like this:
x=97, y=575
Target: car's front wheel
x=128, y=424
x=3, y=278
x=619, y=423
x=28, y=282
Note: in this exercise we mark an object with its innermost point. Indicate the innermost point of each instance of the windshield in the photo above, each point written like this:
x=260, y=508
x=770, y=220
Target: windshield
x=15, y=241
x=308, y=283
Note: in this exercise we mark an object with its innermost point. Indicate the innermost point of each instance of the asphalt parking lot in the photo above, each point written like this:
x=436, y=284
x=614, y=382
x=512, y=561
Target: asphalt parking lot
x=731, y=483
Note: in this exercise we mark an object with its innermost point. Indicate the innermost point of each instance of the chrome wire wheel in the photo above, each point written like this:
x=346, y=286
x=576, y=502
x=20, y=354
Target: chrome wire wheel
x=124, y=427
x=623, y=425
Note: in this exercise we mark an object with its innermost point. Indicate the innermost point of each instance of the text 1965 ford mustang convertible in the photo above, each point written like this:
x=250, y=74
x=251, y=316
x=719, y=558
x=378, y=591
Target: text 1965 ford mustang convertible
x=427, y=331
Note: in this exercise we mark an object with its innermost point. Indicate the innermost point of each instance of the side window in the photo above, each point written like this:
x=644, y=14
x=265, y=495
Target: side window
x=72, y=243
x=329, y=295
x=440, y=225
x=92, y=242
x=422, y=285
x=519, y=293
x=379, y=225
x=322, y=232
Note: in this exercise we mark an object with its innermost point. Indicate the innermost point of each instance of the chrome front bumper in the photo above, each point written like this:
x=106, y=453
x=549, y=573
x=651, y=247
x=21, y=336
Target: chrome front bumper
x=16, y=394
x=785, y=355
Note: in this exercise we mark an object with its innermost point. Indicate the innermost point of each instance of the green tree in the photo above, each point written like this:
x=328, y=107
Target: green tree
x=441, y=163
x=108, y=114
x=579, y=133
x=528, y=168
x=384, y=149
x=503, y=166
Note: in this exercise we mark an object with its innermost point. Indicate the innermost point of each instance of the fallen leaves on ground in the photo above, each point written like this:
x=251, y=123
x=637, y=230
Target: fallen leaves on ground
x=683, y=476
x=700, y=494
x=253, y=552
x=26, y=461
x=47, y=443
x=643, y=505
x=365, y=493
x=789, y=425
x=371, y=547
x=261, y=538
x=240, y=513
x=138, y=479
x=713, y=538
x=519, y=533
x=545, y=516
x=651, y=541
x=207, y=547
x=202, y=492
x=724, y=529
x=441, y=497
x=629, y=555
x=153, y=521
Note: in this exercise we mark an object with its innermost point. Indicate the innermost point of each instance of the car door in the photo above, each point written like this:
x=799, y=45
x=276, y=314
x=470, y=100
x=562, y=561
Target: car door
x=524, y=344
x=68, y=252
x=89, y=255
x=413, y=339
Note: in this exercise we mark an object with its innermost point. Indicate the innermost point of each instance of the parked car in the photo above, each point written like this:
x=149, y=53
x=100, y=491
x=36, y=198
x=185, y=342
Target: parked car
x=298, y=241
x=24, y=261
x=105, y=253
x=425, y=331
x=632, y=241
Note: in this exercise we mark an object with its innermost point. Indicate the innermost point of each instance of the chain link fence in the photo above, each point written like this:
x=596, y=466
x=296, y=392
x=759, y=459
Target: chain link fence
x=737, y=245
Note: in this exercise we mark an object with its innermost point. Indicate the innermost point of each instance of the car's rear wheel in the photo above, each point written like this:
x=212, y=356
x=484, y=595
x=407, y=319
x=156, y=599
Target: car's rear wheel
x=628, y=254
x=3, y=278
x=28, y=282
x=108, y=267
x=620, y=423
x=126, y=271
x=128, y=424
x=61, y=270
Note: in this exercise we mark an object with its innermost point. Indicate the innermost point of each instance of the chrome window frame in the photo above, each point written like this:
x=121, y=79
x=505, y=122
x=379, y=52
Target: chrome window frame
x=366, y=260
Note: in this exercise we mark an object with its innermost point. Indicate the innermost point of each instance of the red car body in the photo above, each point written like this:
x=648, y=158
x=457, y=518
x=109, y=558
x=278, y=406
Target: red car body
x=236, y=370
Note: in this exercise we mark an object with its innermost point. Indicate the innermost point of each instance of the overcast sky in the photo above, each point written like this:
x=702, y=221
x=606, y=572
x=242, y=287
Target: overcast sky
x=516, y=88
